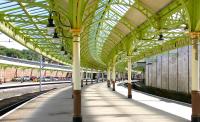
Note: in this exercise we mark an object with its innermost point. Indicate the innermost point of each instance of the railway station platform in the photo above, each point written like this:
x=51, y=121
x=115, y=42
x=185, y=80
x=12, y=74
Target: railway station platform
x=156, y=42
x=13, y=89
x=19, y=84
x=99, y=104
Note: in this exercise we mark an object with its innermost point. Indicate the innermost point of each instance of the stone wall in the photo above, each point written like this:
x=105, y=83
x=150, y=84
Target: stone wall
x=170, y=70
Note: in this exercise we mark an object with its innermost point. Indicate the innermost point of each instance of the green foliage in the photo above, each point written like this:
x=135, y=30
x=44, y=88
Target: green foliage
x=22, y=54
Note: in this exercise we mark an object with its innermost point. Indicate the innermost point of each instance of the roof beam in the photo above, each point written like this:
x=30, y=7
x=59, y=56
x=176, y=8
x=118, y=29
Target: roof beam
x=10, y=31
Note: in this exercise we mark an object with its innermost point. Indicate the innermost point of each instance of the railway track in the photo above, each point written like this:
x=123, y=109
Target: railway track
x=26, y=85
x=9, y=104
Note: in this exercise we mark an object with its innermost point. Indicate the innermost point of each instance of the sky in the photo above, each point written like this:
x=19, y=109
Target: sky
x=10, y=43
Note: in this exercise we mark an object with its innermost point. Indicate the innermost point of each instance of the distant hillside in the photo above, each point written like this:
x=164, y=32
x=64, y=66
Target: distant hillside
x=24, y=54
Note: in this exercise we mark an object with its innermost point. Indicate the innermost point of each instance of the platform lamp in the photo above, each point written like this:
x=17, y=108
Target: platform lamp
x=161, y=37
x=70, y=57
x=56, y=39
x=62, y=51
x=50, y=25
x=65, y=53
x=185, y=28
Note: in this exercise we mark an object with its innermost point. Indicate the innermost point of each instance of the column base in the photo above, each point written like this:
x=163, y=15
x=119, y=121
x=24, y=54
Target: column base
x=113, y=85
x=130, y=96
x=77, y=106
x=77, y=119
x=195, y=106
x=81, y=83
x=108, y=84
x=129, y=90
x=195, y=119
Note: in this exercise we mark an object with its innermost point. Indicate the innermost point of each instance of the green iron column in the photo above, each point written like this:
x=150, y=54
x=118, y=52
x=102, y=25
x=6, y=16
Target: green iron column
x=82, y=77
x=113, y=76
x=102, y=76
x=129, y=77
x=86, y=76
x=119, y=76
x=91, y=76
x=108, y=77
x=76, y=76
x=195, y=80
x=1, y=75
x=193, y=12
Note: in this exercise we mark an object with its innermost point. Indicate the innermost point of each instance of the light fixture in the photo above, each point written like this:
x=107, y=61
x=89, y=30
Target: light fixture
x=160, y=37
x=149, y=63
x=43, y=59
x=50, y=25
x=65, y=53
x=62, y=51
x=56, y=39
x=186, y=29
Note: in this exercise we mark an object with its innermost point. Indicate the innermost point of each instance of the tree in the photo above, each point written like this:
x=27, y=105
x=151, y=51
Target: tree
x=24, y=54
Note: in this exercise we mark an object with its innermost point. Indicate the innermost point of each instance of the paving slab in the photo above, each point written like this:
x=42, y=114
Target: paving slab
x=177, y=108
x=99, y=104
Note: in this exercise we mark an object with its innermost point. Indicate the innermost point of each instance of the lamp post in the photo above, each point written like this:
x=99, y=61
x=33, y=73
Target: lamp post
x=108, y=77
x=41, y=66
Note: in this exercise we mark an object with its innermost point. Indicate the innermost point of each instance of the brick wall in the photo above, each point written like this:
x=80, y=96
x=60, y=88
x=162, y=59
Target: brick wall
x=6, y=75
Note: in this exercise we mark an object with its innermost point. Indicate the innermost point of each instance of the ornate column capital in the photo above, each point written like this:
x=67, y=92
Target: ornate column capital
x=75, y=32
x=194, y=35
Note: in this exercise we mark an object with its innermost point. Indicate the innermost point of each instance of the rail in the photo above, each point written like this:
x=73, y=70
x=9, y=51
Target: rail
x=32, y=84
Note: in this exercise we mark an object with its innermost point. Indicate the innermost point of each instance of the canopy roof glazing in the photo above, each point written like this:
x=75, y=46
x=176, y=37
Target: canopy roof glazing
x=109, y=13
x=111, y=29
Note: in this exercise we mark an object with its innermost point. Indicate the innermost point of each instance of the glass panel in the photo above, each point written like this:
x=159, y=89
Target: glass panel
x=109, y=14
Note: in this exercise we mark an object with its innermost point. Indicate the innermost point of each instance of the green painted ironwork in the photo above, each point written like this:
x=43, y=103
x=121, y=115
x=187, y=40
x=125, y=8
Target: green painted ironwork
x=108, y=27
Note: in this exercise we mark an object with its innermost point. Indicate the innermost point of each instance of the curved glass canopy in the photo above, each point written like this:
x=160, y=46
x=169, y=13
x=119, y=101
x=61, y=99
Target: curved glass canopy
x=109, y=28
